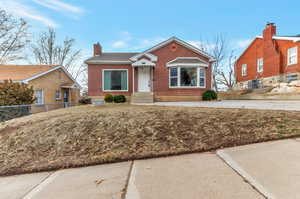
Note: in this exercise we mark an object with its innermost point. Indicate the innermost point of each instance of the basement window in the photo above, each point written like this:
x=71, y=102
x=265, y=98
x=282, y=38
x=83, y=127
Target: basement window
x=292, y=55
x=290, y=78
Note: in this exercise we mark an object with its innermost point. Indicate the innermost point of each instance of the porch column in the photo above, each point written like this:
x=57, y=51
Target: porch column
x=152, y=78
x=70, y=94
x=133, y=80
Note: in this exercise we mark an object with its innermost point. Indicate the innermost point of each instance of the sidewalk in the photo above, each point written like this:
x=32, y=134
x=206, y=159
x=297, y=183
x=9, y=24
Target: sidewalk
x=265, y=170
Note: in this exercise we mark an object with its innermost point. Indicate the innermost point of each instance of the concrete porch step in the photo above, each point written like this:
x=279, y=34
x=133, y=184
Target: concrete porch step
x=142, y=97
x=143, y=94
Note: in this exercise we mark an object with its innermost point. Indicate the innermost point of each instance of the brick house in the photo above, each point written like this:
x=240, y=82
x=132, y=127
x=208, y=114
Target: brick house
x=269, y=59
x=52, y=84
x=172, y=70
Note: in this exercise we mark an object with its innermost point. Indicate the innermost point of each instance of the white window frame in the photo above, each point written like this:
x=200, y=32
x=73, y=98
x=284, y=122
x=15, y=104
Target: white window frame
x=119, y=69
x=289, y=55
x=260, y=65
x=58, y=91
x=42, y=96
x=170, y=77
x=244, y=71
x=178, y=77
x=198, y=75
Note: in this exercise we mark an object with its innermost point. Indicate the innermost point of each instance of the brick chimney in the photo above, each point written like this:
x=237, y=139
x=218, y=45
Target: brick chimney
x=269, y=31
x=97, y=49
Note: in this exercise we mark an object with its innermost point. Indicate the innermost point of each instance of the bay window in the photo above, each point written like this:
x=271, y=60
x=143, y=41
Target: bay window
x=185, y=77
x=188, y=76
x=115, y=79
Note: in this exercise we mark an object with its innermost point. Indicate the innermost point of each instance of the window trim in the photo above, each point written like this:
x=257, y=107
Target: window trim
x=178, y=77
x=42, y=96
x=258, y=62
x=288, y=56
x=114, y=69
x=244, y=74
x=58, y=98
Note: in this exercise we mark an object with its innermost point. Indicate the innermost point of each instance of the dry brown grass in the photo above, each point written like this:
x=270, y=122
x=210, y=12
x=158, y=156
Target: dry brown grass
x=88, y=135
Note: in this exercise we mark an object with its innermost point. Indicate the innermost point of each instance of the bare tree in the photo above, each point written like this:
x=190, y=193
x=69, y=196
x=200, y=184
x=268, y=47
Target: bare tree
x=225, y=73
x=218, y=48
x=13, y=37
x=47, y=51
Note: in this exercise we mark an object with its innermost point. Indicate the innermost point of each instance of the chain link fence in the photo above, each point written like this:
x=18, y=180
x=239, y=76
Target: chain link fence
x=11, y=112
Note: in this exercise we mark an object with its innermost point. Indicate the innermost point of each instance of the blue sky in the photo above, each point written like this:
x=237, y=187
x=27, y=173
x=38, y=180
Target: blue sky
x=132, y=25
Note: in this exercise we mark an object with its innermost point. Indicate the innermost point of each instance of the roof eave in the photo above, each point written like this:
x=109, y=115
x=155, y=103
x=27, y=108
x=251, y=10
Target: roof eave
x=51, y=70
x=108, y=62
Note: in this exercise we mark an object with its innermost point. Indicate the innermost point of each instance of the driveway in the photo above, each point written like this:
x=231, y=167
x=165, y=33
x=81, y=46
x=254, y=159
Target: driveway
x=246, y=104
x=257, y=171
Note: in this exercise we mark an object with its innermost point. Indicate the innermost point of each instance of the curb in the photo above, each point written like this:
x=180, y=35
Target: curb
x=42, y=185
x=249, y=179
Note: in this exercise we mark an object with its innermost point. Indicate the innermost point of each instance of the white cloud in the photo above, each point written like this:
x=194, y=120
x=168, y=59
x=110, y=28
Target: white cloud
x=146, y=43
x=60, y=6
x=126, y=35
x=243, y=43
x=119, y=44
x=201, y=45
x=20, y=10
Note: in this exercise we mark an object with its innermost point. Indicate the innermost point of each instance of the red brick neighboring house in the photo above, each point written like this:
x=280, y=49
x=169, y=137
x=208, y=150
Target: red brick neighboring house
x=269, y=59
x=170, y=71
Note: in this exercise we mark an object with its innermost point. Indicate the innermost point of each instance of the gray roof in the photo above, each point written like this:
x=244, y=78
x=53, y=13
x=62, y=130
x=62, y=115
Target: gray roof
x=187, y=61
x=110, y=57
x=192, y=61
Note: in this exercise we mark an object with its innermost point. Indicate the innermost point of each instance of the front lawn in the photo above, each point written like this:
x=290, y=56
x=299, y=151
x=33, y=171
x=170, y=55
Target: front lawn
x=88, y=135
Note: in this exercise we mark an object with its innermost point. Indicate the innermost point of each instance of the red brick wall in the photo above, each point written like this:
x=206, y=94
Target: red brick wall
x=254, y=52
x=274, y=53
x=161, y=72
x=283, y=48
x=95, y=79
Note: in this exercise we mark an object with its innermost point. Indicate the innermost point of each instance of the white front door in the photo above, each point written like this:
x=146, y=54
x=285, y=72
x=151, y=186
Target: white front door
x=144, y=79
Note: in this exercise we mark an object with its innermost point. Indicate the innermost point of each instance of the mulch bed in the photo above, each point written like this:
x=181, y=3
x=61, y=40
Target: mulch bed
x=89, y=135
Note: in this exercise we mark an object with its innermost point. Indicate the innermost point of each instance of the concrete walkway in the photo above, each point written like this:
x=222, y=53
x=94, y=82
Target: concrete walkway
x=247, y=104
x=265, y=170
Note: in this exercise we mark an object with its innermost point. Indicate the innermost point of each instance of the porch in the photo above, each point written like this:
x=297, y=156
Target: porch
x=70, y=94
x=143, y=81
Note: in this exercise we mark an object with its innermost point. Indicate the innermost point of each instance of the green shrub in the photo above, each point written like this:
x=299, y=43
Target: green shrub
x=108, y=98
x=14, y=93
x=119, y=99
x=209, y=95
